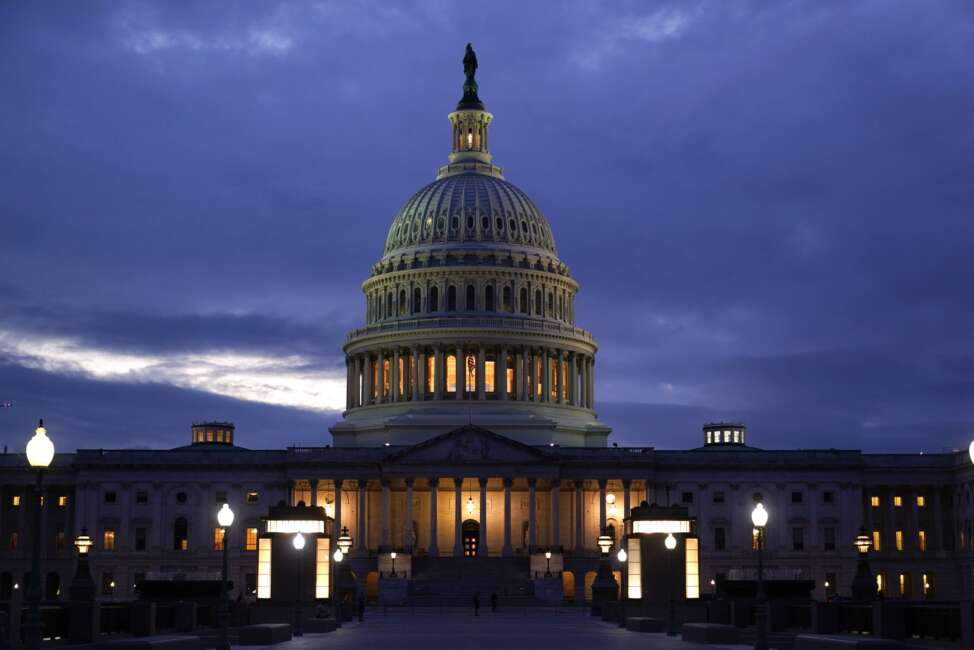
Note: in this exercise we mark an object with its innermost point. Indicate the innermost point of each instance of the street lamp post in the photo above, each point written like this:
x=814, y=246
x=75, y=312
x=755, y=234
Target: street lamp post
x=225, y=518
x=335, y=594
x=604, y=588
x=759, y=517
x=40, y=453
x=343, y=575
x=547, y=564
x=298, y=542
x=863, y=585
x=393, y=556
x=622, y=556
x=670, y=544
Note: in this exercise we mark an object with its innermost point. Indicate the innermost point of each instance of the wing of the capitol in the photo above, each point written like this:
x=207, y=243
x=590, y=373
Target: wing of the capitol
x=471, y=459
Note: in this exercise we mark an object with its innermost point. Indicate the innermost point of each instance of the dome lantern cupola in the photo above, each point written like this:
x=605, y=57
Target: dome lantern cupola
x=469, y=125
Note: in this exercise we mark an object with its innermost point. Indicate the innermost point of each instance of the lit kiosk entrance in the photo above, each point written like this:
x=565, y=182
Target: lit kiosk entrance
x=663, y=566
x=292, y=578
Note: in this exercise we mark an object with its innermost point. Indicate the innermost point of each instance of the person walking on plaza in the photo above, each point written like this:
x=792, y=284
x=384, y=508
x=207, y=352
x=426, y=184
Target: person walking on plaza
x=476, y=604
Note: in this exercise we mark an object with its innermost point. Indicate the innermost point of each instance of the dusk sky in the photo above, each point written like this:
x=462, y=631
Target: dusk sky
x=768, y=206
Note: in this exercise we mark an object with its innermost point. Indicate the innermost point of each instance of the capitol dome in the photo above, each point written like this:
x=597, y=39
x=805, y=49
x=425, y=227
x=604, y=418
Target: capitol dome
x=470, y=314
x=470, y=211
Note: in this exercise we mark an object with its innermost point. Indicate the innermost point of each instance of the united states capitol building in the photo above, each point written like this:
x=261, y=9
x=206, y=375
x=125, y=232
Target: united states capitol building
x=471, y=445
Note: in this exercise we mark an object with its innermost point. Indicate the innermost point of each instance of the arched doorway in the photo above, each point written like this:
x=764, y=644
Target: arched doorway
x=568, y=587
x=372, y=586
x=471, y=538
x=589, y=580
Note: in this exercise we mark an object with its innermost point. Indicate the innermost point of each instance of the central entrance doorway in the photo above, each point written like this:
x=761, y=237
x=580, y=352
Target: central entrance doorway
x=471, y=538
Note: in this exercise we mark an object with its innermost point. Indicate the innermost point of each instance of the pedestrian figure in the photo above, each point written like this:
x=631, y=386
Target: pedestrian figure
x=361, y=607
x=476, y=604
x=493, y=602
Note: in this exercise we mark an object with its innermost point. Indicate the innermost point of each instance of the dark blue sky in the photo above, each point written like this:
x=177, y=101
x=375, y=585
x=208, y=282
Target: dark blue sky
x=768, y=207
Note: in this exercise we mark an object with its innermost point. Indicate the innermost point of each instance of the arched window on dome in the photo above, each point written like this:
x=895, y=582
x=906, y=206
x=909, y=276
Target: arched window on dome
x=551, y=304
x=489, y=298
x=434, y=301
x=417, y=300
x=524, y=300
x=537, y=302
x=389, y=305
x=451, y=298
x=403, y=306
x=471, y=298
x=507, y=299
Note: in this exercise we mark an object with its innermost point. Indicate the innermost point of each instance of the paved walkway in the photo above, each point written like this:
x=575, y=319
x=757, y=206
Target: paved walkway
x=537, y=629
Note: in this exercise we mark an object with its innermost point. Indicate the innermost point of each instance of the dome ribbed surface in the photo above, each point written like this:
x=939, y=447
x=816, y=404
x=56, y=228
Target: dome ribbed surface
x=470, y=208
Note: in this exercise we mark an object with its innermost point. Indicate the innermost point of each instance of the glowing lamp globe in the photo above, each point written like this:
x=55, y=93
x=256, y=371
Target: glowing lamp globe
x=622, y=556
x=970, y=451
x=670, y=542
x=759, y=516
x=863, y=542
x=83, y=542
x=225, y=516
x=339, y=556
x=547, y=555
x=344, y=541
x=298, y=542
x=393, y=555
x=40, y=449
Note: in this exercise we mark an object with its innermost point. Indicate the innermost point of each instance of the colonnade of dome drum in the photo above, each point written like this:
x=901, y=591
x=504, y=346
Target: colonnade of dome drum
x=470, y=371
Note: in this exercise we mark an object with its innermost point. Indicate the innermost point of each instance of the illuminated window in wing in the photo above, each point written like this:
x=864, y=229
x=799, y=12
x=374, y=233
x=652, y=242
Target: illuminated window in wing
x=489, y=382
x=430, y=373
x=451, y=373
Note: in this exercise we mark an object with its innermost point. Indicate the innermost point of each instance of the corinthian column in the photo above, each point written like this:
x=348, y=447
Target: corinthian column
x=545, y=375
x=457, y=517
x=555, y=533
x=507, y=551
x=483, y=519
x=482, y=374
x=500, y=377
x=434, y=547
x=461, y=372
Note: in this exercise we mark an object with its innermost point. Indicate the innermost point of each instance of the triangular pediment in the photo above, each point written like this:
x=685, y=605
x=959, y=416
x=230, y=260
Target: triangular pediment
x=469, y=445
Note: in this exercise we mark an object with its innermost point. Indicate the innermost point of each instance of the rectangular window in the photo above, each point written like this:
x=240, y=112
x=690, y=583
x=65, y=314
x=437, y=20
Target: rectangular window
x=110, y=496
x=718, y=497
x=635, y=568
x=59, y=540
x=692, y=567
x=510, y=380
x=877, y=541
x=264, y=568
x=401, y=375
x=15, y=501
x=928, y=584
x=829, y=538
x=430, y=374
x=922, y=540
x=720, y=539
x=687, y=497
x=904, y=584
x=142, y=496
x=218, y=534
x=62, y=501
x=251, y=539
x=921, y=501
x=451, y=373
x=140, y=538
x=253, y=497
x=221, y=496
x=874, y=501
x=42, y=500
x=108, y=539
x=828, y=496
x=322, y=564
x=798, y=539
x=881, y=583
x=898, y=501
x=796, y=497
x=14, y=540
x=489, y=376
x=899, y=540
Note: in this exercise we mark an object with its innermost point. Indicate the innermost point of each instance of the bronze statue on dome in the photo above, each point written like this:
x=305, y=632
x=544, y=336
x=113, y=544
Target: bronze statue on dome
x=470, y=62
